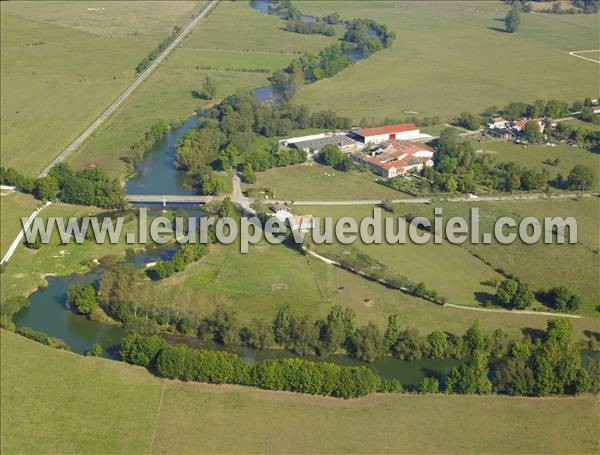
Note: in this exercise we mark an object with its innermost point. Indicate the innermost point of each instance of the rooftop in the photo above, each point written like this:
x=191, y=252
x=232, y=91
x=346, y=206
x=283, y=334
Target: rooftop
x=318, y=143
x=388, y=129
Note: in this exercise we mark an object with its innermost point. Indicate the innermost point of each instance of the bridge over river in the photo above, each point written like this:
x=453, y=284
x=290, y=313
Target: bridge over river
x=168, y=199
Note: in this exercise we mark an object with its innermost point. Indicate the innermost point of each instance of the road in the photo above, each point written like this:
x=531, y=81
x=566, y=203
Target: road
x=451, y=305
x=238, y=197
x=129, y=90
x=17, y=241
x=425, y=200
x=165, y=198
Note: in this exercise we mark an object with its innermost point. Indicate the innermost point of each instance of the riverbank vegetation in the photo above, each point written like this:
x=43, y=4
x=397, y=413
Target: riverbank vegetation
x=549, y=364
x=233, y=36
x=225, y=136
x=122, y=405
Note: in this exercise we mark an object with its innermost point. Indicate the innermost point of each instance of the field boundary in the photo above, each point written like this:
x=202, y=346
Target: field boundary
x=574, y=54
x=451, y=305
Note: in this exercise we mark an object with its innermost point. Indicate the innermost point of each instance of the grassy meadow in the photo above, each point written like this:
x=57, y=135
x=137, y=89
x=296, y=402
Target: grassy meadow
x=540, y=265
x=52, y=87
x=26, y=269
x=451, y=57
x=13, y=206
x=234, y=37
x=316, y=182
x=454, y=272
x=122, y=408
x=533, y=156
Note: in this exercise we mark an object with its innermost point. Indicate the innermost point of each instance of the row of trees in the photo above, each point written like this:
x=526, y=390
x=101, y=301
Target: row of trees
x=152, y=55
x=142, y=146
x=549, y=364
x=296, y=375
x=309, y=28
x=90, y=186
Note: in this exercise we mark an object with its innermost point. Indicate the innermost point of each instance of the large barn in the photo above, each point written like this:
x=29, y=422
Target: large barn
x=378, y=134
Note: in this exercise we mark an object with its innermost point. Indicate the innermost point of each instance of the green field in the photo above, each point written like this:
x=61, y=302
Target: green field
x=27, y=268
x=451, y=57
x=532, y=156
x=539, y=265
x=247, y=283
x=315, y=182
x=13, y=206
x=51, y=87
x=234, y=36
x=449, y=269
x=56, y=402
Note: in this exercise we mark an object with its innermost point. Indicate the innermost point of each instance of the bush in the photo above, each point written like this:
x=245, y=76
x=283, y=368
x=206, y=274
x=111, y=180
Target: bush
x=40, y=337
x=429, y=385
x=141, y=350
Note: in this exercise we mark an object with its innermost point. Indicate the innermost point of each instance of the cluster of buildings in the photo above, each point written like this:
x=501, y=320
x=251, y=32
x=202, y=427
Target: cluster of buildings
x=387, y=150
x=505, y=129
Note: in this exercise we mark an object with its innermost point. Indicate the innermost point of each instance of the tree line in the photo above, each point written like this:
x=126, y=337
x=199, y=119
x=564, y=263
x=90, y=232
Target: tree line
x=179, y=361
x=153, y=54
x=547, y=364
x=91, y=186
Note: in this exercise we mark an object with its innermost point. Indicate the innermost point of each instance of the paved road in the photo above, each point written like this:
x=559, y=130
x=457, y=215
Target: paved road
x=238, y=197
x=135, y=84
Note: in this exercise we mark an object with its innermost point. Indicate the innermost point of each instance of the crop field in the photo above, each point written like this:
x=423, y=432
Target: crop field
x=51, y=88
x=121, y=408
x=13, y=206
x=234, y=37
x=451, y=57
x=533, y=156
x=315, y=182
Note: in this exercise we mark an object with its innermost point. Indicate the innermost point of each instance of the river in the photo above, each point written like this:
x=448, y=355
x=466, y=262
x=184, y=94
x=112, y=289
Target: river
x=157, y=174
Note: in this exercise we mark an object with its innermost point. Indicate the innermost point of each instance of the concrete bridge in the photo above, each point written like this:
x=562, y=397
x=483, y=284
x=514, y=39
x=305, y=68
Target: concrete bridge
x=168, y=199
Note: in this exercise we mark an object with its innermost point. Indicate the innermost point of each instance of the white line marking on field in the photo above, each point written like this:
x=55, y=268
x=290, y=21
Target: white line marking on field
x=574, y=54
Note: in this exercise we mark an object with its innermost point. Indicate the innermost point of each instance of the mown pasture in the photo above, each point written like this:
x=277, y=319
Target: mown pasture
x=63, y=63
x=122, y=408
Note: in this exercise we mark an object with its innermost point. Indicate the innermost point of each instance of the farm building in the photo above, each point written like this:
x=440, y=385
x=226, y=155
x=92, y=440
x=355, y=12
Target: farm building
x=520, y=124
x=397, y=157
x=378, y=134
x=497, y=122
x=596, y=109
x=314, y=143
